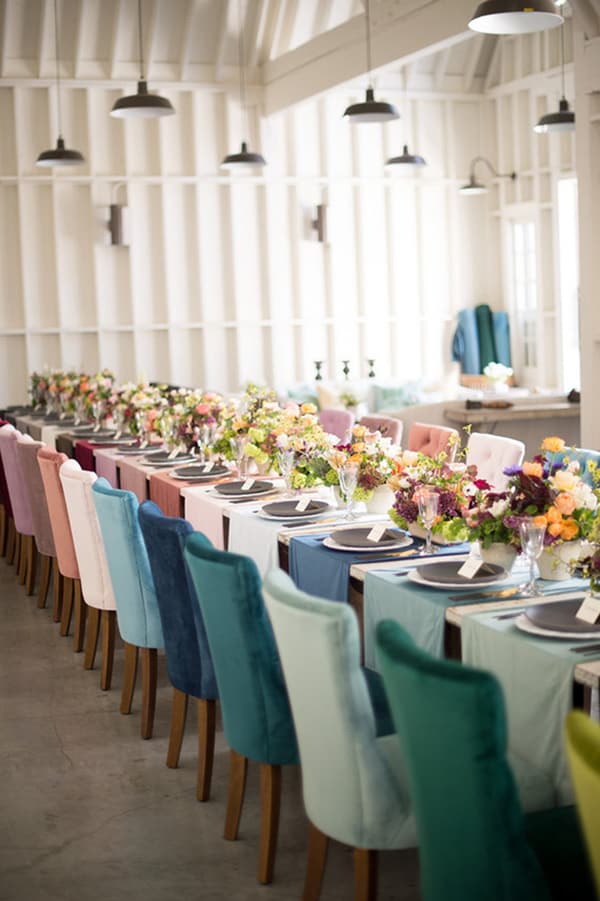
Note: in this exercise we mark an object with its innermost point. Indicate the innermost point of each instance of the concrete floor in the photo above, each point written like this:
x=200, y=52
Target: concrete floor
x=90, y=812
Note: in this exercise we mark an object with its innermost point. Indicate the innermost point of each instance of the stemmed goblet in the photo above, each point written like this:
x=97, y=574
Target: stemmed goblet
x=532, y=545
x=348, y=478
x=428, y=501
x=238, y=445
x=286, y=460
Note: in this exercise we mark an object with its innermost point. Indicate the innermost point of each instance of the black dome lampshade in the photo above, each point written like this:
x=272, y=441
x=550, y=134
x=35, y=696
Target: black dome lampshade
x=515, y=16
x=59, y=156
x=564, y=118
x=370, y=110
x=406, y=160
x=142, y=104
x=476, y=187
x=245, y=159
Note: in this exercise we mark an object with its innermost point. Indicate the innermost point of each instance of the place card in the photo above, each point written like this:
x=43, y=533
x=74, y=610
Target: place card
x=377, y=532
x=248, y=484
x=209, y=466
x=303, y=503
x=470, y=567
x=589, y=611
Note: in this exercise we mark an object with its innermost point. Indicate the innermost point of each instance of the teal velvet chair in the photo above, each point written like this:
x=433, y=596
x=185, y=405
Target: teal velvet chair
x=583, y=456
x=254, y=705
x=474, y=841
x=135, y=597
x=353, y=781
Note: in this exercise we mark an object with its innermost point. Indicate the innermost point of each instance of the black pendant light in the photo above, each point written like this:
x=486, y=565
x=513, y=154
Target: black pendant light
x=244, y=162
x=142, y=104
x=564, y=118
x=475, y=187
x=59, y=155
x=370, y=110
x=406, y=159
x=515, y=16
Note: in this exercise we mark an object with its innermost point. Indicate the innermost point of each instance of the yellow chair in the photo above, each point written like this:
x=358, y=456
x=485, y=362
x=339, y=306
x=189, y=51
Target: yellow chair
x=583, y=751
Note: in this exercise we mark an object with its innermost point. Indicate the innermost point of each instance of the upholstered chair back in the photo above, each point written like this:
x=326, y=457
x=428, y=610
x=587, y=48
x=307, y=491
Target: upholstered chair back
x=50, y=462
x=256, y=715
x=584, y=457
x=582, y=738
x=336, y=422
x=491, y=454
x=131, y=576
x=87, y=537
x=353, y=790
x=27, y=452
x=431, y=440
x=19, y=497
x=387, y=425
x=4, y=495
x=189, y=662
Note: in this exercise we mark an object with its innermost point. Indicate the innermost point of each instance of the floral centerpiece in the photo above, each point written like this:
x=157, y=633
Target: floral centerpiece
x=38, y=386
x=374, y=455
x=486, y=517
x=136, y=406
x=237, y=417
x=185, y=412
x=498, y=374
x=99, y=391
x=301, y=432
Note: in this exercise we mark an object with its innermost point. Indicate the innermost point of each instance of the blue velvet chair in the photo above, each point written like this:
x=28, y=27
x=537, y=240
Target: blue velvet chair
x=189, y=662
x=474, y=841
x=583, y=456
x=256, y=715
x=137, y=608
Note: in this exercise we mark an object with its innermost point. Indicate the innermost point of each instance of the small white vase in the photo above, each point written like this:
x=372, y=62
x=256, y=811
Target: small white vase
x=381, y=500
x=419, y=532
x=501, y=554
x=554, y=560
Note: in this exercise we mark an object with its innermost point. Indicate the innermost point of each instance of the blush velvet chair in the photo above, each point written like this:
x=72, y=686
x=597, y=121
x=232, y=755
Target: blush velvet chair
x=256, y=716
x=50, y=462
x=189, y=662
x=21, y=508
x=5, y=508
x=474, y=841
x=336, y=422
x=582, y=737
x=135, y=595
x=93, y=567
x=491, y=454
x=431, y=440
x=352, y=781
x=27, y=451
x=387, y=425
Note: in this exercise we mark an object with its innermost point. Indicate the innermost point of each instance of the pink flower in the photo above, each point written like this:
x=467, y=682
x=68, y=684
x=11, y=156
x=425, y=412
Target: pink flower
x=203, y=409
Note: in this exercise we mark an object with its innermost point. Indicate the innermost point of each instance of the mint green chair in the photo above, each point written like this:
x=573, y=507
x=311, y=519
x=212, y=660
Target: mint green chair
x=353, y=782
x=582, y=737
x=474, y=841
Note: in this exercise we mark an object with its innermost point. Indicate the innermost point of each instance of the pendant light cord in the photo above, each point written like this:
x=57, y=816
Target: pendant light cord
x=57, y=61
x=368, y=30
x=245, y=117
x=140, y=42
x=562, y=58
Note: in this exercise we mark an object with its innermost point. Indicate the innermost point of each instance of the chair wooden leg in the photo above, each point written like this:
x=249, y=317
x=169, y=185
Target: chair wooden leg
x=67, y=606
x=45, y=569
x=3, y=530
x=80, y=617
x=129, y=676
x=108, y=619
x=270, y=802
x=91, y=639
x=179, y=708
x=207, y=719
x=149, y=673
x=20, y=559
x=318, y=845
x=57, y=592
x=31, y=564
x=238, y=770
x=11, y=541
x=365, y=874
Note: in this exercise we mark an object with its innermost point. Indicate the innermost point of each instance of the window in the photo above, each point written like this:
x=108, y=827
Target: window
x=569, y=282
x=524, y=293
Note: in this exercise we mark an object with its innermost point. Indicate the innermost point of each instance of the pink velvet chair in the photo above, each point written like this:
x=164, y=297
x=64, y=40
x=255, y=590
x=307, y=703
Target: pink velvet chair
x=27, y=451
x=50, y=462
x=387, y=425
x=336, y=422
x=93, y=567
x=491, y=454
x=6, y=518
x=21, y=508
x=431, y=440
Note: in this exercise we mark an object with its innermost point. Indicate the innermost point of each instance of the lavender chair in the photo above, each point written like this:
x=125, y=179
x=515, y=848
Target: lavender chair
x=388, y=426
x=491, y=454
x=93, y=566
x=336, y=422
x=431, y=440
x=27, y=451
x=21, y=507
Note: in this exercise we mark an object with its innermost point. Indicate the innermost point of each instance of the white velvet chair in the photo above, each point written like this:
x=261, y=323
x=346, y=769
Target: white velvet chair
x=491, y=454
x=353, y=783
x=93, y=567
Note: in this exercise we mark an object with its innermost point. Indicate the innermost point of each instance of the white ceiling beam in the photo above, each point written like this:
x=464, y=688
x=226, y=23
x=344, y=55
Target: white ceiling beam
x=188, y=34
x=114, y=42
x=471, y=66
x=79, y=32
x=222, y=40
x=3, y=35
x=273, y=37
x=150, y=30
x=46, y=21
x=288, y=23
x=256, y=34
x=322, y=16
x=441, y=66
x=337, y=56
x=587, y=14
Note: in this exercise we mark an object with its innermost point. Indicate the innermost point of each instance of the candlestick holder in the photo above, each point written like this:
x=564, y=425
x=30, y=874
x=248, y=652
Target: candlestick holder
x=346, y=368
x=318, y=367
x=371, y=365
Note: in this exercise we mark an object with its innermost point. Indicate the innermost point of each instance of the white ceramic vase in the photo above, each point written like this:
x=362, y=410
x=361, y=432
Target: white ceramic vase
x=554, y=560
x=381, y=500
x=501, y=554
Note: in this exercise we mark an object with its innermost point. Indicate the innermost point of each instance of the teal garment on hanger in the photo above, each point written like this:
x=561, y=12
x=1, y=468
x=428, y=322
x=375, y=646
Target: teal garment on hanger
x=465, y=343
x=485, y=333
x=502, y=337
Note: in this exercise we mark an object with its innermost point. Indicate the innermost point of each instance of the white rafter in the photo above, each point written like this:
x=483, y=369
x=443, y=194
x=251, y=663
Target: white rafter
x=186, y=44
x=222, y=40
x=114, y=43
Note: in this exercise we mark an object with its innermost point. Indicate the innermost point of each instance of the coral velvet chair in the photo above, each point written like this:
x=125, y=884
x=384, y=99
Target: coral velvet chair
x=189, y=662
x=431, y=440
x=474, y=841
x=135, y=595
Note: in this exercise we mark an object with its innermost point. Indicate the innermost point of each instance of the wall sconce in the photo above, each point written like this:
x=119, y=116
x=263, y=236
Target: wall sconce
x=475, y=187
x=118, y=220
x=319, y=224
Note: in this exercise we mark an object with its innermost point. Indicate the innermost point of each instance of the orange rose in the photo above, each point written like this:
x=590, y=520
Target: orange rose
x=540, y=521
x=555, y=529
x=533, y=469
x=565, y=503
x=553, y=444
x=554, y=514
x=570, y=530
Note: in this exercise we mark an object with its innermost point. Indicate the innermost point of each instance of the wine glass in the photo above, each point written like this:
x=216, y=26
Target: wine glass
x=98, y=411
x=428, y=501
x=348, y=478
x=532, y=545
x=286, y=460
x=238, y=446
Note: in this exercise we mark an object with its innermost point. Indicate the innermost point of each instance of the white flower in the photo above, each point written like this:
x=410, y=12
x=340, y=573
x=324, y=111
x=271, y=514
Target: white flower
x=499, y=508
x=497, y=372
x=584, y=496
